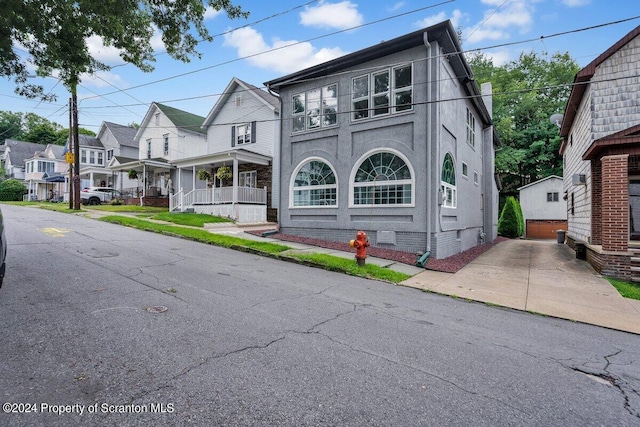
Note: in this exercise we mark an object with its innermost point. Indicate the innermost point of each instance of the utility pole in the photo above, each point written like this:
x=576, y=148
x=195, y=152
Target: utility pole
x=70, y=187
x=76, y=149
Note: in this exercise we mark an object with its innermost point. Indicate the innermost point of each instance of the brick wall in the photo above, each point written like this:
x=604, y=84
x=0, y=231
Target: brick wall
x=596, y=202
x=615, y=203
x=612, y=265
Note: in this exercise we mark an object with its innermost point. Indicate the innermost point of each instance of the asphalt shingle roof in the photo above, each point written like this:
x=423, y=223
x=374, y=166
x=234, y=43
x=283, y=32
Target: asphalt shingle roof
x=182, y=119
x=123, y=134
x=19, y=151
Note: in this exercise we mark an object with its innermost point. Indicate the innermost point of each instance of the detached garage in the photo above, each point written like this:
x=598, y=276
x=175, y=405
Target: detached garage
x=543, y=208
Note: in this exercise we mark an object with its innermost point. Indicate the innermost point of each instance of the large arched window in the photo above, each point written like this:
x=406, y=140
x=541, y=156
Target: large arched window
x=448, y=182
x=314, y=184
x=382, y=178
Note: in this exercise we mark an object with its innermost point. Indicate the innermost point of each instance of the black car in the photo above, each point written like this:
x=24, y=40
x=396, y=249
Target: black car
x=3, y=249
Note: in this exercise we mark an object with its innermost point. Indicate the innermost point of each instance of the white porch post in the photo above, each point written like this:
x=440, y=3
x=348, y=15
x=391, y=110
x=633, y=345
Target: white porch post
x=193, y=177
x=92, y=183
x=144, y=183
x=235, y=182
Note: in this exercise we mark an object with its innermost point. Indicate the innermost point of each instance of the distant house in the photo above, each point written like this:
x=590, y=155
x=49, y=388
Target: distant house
x=242, y=136
x=396, y=140
x=14, y=155
x=165, y=134
x=601, y=154
x=119, y=143
x=544, y=208
x=47, y=174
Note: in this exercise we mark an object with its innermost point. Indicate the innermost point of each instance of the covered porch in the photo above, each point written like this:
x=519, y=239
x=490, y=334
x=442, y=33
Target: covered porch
x=152, y=178
x=224, y=184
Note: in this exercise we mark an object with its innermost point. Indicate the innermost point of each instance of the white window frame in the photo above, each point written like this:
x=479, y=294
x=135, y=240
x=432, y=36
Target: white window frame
x=100, y=158
x=83, y=156
x=157, y=119
x=243, y=134
x=251, y=176
x=109, y=155
x=471, y=128
x=293, y=188
x=165, y=141
x=353, y=184
x=148, y=148
x=392, y=93
x=449, y=191
x=316, y=104
x=554, y=196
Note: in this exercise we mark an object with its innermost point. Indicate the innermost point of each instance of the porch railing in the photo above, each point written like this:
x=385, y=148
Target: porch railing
x=217, y=195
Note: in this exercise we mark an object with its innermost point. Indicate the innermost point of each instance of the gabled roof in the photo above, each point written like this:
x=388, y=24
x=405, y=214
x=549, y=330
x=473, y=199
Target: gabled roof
x=124, y=135
x=581, y=80
x=444, y=33
x=263, y=96
x=19, y=151
x=540, y=180
x=183, y=119
x=627, y=138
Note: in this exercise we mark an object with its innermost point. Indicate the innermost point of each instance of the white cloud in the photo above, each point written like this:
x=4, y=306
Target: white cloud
x=456, y=19
x=576, y=3
x=105, y=54
x=297, y=56
x=501, y=20
x=499, y=57
x=102, y=79
x=211, y=13
x=399, y=5
x=342, y=15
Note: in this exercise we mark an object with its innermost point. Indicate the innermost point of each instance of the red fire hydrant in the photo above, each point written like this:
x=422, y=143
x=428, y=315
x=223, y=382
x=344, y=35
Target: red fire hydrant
x=360, y=243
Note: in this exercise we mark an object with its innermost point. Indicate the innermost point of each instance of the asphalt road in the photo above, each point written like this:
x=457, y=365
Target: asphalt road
x=247, y=340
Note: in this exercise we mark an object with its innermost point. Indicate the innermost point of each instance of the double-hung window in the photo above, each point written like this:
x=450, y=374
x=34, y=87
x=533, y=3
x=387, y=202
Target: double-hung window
x=165, y=139
x=248, y=179
x=383, y=92
x=100, y=158
x=315, y=109
x=471, y=128
x=243, y=134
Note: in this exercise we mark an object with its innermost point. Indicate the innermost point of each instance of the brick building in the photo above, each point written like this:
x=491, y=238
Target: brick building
x=601, y=154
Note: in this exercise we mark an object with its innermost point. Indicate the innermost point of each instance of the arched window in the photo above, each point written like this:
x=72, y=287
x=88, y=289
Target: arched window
x=448, y=182
x=314, y=184
x=383, y=178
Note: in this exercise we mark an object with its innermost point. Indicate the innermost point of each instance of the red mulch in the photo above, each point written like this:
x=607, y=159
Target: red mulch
x=448, y=265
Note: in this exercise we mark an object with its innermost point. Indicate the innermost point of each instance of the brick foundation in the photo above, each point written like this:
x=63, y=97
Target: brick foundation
x=159, y=202
x=610, y=264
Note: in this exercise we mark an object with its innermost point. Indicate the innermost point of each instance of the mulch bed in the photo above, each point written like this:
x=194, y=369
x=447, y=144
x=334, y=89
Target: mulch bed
x=448, y=265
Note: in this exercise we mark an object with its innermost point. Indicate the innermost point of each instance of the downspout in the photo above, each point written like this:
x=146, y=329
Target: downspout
x=429, y=125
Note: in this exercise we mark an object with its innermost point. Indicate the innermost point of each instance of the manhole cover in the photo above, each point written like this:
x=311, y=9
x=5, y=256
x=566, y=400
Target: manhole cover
x=157, y=309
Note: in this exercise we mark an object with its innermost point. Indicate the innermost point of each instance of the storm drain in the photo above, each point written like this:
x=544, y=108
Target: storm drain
x=157, y=309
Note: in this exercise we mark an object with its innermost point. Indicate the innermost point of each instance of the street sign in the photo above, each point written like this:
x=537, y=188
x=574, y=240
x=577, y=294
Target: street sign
x=69, y=158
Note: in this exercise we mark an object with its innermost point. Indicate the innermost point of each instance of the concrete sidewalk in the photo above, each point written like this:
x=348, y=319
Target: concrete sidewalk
x=537, y=276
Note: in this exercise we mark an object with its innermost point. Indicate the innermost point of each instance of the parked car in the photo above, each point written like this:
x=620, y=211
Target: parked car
x=98, y=195
x=3, y=249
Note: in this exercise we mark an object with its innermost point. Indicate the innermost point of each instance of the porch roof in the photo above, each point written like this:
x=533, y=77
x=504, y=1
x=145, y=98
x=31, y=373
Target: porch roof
x=243, y=156
x=138, y=165
x=627, y=141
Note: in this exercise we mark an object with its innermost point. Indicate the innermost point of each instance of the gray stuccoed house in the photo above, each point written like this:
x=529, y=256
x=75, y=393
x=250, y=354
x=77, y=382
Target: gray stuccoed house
x=396, y=140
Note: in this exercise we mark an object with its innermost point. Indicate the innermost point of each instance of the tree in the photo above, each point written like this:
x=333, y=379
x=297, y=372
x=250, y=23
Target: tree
x=510, y=223
x=12, y=190
x=10, y=125
x=526, y=93
x=54, y=33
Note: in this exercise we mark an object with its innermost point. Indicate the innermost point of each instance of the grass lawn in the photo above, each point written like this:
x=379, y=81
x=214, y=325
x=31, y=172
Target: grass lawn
x=187, y=218
x=627, y=289
x=275, y=250
x=128, y=208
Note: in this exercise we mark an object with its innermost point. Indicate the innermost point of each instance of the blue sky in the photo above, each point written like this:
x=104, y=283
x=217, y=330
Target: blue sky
x=319, y=31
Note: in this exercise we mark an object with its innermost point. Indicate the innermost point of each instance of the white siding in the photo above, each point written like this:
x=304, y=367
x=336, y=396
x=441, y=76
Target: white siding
x=533, y=199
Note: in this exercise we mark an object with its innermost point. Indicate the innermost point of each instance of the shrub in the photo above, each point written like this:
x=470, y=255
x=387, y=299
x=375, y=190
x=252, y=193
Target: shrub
x=511, y=223
x=12, y=190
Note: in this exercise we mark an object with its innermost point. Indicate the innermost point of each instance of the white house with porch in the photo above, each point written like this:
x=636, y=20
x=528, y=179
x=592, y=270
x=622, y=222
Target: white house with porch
x=46, y=174
x=166, y=135
x=242, y=138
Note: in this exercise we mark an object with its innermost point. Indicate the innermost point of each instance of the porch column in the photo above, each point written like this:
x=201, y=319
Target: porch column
x=615, y=203
x=193, y=178
x=235, y=181
x=596, y=202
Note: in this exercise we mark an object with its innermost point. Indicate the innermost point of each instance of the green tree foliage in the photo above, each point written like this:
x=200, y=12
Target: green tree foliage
x=526, y=93
x=12, y=190
x=510, y=223
x=54, y=34
x=31, y=127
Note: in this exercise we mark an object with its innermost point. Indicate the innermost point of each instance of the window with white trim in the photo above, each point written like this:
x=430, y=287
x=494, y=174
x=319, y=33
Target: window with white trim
x=471, y=128
x=165, y=144
x=383, y=92
x=83, y=156
x=92, y=157
x=248, y=179
x=315, y=109
x=243, y=134
x=465, y=170
x=109, y=155
x=314, y=185
x=46, y=167
x=448, y=183
x=149, y=148
x=101, y=158
x=552, y=197
x=383, y=178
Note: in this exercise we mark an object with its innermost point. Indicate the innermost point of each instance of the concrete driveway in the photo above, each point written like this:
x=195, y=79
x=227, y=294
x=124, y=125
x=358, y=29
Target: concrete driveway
x=539, y=276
